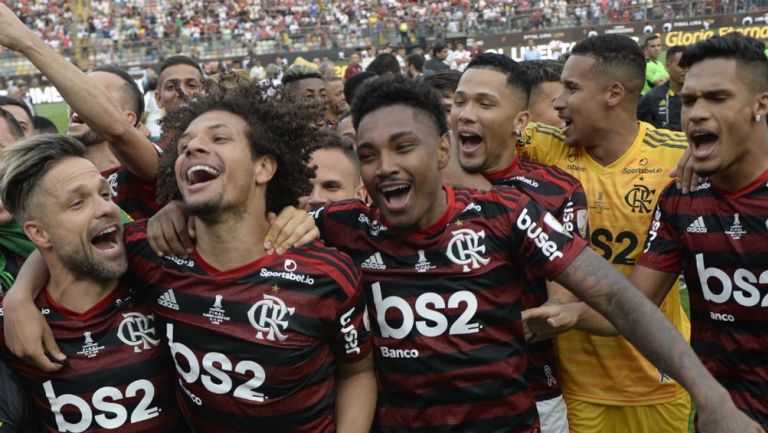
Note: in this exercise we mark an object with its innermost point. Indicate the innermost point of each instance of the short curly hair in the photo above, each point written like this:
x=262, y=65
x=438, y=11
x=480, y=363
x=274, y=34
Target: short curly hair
x=276, y=127
x=384, y=92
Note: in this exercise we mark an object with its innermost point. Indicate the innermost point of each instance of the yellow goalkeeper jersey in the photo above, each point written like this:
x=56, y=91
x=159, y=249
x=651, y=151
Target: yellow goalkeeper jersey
x=621, y=198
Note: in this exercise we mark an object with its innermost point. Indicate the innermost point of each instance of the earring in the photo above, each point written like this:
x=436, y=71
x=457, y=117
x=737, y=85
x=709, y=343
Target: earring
x=757, y=117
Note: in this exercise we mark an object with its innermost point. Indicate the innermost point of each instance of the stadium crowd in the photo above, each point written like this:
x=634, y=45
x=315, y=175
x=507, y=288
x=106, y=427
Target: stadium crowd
x=436, y=241
x=332, y=23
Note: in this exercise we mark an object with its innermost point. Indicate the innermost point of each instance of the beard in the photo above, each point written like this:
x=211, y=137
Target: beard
x=80, y=262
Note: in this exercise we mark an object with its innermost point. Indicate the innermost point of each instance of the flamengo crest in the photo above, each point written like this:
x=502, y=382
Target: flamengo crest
x=270, y=316
x=466, y=249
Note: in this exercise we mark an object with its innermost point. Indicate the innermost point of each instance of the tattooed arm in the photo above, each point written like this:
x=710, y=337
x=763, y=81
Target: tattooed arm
x=593, y=280
x=563, y=311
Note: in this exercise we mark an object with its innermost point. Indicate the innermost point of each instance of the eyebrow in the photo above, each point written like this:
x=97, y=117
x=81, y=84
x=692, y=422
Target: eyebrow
x=210, y=128
x=393, y=137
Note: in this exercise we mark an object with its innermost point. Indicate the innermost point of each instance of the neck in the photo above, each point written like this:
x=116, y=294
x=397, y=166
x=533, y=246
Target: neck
x=746, y=168
x=675, y=86
x=609, y=144
x=101, y=156
x=232, y=239
x=74, y=292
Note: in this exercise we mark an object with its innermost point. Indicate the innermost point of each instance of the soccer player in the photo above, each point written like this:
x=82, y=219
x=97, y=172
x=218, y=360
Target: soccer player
x=717, y=235
x=445, y=82
x=179, y=79
x=661, y=106
x=260, y=342
x=623, y=165
x=544, y=77
x=304, y=82
x=105, y=110
x=444, y=267
x=655, y=73
x=117, y=375
x=337, y=172
x=418, y=234
x=488, y=111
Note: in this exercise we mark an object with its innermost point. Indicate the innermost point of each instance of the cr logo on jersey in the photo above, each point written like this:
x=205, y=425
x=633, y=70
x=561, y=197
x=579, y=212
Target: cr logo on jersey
x=466, y=248
x=138, y=330
x=640, y=199
x=112, y=181
x=269, y=316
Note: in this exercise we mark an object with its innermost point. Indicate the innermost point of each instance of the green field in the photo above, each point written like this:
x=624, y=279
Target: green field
x=56, y=112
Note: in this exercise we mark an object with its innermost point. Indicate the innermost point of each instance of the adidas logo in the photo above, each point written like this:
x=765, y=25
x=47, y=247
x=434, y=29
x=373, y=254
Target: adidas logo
x=697, y=226
x=374, y=262
x=168, y=300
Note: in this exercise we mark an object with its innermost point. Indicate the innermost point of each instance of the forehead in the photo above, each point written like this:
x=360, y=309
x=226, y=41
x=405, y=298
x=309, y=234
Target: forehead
x=547, y=89
x=331, y=163
x=69, y=173
x=180, y=72
x=481, y=80
x=311, y=83
x=335, y=85
x=578, y=68
x=215, y=118
x=107, y=81
x=710, y=74
x=17, y=112
x=377, y=126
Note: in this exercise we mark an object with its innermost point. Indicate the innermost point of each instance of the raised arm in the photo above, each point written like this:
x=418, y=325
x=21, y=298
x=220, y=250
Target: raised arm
x=134, y=151
x=595, y=281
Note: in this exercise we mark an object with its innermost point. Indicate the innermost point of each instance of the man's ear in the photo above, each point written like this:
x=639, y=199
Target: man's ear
x=615, y=94
x=444, y=151
x=264, y=168
x=37, y=233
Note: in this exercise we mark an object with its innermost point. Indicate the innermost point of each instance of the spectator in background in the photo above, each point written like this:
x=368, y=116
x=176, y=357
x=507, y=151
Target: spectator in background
x=460, y=57
x=10, y=130
x=436, y=62
x=531, y=52
x=385, y=64
x=43, y=125
x=334, y=91
x=257, y=71
x=655, y=73
x=22, y=94
x=414, y=66
x=354, y=66
x=661, y=106
x=544, y=77
x=20, y=111
x=179, y=77
x=345, y=127
x=152, y=112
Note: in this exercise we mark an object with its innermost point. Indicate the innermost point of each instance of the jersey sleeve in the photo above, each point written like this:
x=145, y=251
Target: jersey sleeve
x=351, y=337
x=539, y=241
x=338, y=221
x=662, y=244
x=574, y=215
x=541, y=143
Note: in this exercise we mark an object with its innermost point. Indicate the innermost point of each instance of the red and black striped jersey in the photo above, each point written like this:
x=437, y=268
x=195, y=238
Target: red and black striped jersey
x=117, y=377
x=256, y=348
x=133, y=195
x=445, y=306
x=720, y=241
x=563, y=196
